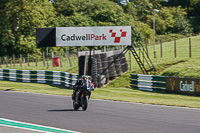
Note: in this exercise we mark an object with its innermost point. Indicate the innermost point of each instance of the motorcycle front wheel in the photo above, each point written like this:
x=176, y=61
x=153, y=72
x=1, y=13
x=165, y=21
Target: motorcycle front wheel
x=75, y=106
x=85, y=103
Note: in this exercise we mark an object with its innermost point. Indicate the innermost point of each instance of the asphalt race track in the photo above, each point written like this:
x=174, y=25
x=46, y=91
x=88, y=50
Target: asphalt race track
x=102, y=116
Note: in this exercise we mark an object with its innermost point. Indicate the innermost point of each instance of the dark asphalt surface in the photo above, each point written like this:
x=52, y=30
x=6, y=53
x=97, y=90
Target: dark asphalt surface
x=102, y=116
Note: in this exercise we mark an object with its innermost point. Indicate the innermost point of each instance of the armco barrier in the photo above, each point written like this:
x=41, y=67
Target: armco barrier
x=148, y=82
x=39, y=76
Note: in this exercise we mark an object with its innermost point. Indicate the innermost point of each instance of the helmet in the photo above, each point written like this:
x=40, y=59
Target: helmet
x=84, y=78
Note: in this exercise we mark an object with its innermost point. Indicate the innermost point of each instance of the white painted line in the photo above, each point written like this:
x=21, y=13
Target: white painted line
x=27, y=126
x=24, y=128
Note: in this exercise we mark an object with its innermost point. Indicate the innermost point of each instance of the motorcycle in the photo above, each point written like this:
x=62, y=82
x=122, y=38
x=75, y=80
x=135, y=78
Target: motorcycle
x=81, y=93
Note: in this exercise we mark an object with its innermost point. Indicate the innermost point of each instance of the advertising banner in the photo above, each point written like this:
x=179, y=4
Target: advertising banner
x=189, y=86
x=93, y=36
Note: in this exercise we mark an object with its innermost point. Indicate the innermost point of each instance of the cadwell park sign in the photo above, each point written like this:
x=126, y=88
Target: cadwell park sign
x=189, y=86
x=83, y=36
x=179, y=85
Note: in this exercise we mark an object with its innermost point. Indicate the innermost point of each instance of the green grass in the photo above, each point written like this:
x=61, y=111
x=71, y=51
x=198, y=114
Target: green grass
x=168, y=59
x=34, y=87
x=119, y=94
x=160, y=98
x=189, y=68
x=65, y=67
x=73, y=69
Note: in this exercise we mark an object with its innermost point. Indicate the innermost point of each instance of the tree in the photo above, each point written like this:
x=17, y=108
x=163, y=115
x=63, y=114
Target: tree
x=195, y=19
x=70, y=7
x=157, y=4
x=3, y=29
x=171, y=20
x=22, y=17
x=143, y=9
x=189, y=5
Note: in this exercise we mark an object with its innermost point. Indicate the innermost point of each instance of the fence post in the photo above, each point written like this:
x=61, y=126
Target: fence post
x=14, y=60
x=104, y=49
x=10, y=62
x=36, y=59
x=79, y=49
x=0, y=63
x=74, y=55
x=28, y=59
x=60, y=58
x=130, y=60
x=85, y=63
x=69, y=59
x=174, y=48
x=52, y=55
x=161, y=49
x=20, y=58
x=6, y=61
x=44, y=59
x=147, y=51
x=190, y=53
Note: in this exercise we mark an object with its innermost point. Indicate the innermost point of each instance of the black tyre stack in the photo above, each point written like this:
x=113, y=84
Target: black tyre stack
x=81, y=62
x=124, y=64
x=94, y=71
x=104, y=64
x=118, y=65
x=99, y=64
x=112, y=72
x=105, y=72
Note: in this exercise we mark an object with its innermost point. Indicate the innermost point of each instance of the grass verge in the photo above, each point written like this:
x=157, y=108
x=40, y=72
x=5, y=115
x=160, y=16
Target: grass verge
x=119, y=94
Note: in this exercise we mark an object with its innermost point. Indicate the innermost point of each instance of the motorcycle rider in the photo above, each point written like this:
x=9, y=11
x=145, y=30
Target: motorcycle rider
x=82, y=83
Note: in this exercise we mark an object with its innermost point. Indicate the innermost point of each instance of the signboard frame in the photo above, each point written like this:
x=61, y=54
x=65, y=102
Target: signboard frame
x=83, y=36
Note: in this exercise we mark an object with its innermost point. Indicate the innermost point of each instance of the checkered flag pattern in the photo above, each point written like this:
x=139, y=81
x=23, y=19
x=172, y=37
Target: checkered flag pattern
x=117, y=39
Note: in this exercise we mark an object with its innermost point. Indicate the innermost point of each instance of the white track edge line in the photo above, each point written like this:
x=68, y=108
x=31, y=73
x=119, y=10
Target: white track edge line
x=38, y=125
x=25, y=128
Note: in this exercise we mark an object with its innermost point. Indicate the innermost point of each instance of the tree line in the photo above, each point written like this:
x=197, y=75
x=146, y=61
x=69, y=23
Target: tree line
x=20, y=18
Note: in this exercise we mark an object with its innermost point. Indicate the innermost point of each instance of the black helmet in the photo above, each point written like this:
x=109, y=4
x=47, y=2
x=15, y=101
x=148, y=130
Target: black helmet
x=84, y=78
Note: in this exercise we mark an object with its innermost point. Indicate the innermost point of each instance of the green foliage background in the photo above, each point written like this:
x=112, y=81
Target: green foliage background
x=20, y=18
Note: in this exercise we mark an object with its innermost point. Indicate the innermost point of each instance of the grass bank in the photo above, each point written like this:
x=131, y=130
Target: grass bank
x=119, y=94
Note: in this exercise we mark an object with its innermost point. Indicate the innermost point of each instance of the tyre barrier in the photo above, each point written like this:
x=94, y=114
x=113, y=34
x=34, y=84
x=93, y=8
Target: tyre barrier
x=124, y=64
x=94, y=71
x=118, y=66
x=99, y=63
x=100, y=67
x=105, y=64
x=112, y=71
x=40, y=76
x=103, y=57
x=81, y=62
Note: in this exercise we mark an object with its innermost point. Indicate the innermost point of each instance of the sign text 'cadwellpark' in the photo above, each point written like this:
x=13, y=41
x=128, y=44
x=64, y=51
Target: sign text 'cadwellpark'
x=93, y=36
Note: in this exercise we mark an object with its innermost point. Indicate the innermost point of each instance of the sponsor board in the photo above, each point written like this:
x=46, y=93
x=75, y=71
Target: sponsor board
x=189, y=86
x=93, y=36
